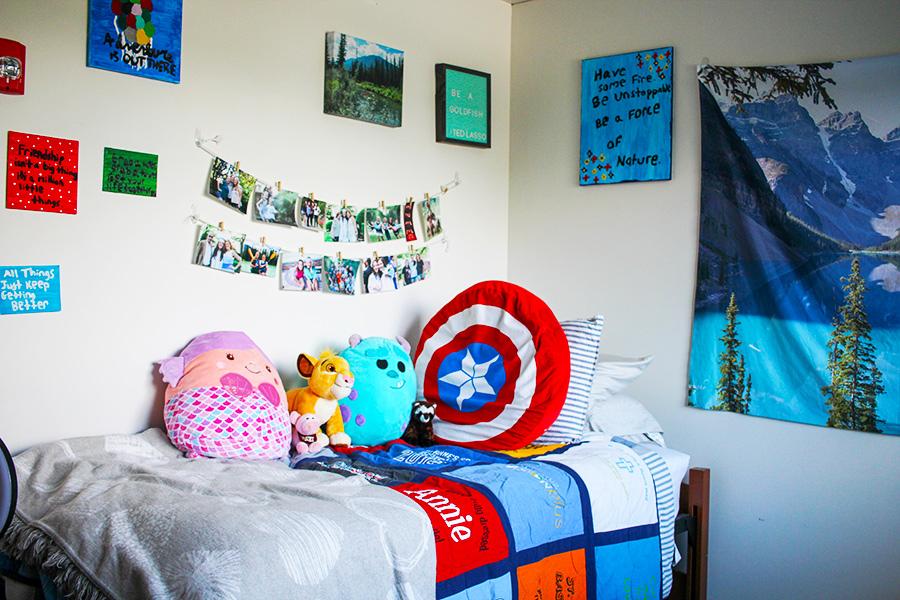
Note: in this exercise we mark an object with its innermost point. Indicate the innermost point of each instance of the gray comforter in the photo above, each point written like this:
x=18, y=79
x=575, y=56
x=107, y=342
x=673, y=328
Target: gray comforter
x=129, y=517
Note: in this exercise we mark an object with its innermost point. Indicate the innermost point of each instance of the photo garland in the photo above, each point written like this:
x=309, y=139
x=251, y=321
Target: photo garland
x=232, y=252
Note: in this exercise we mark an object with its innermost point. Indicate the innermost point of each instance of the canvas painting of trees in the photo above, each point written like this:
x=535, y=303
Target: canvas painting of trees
x=363, y=80
x=797, y=306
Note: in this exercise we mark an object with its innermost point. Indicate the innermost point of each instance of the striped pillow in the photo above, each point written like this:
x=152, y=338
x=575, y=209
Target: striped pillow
x=584, y=347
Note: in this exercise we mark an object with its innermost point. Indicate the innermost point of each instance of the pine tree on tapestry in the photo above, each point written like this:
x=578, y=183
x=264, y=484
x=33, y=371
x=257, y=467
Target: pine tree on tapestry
x=732, y=394
x=856, y=381
x=745, y=404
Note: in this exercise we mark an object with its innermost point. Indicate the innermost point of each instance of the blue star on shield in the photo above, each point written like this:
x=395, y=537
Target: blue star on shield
x=472, y=377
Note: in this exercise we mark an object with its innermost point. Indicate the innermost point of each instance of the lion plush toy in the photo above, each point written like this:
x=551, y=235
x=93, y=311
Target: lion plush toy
x=330, y=380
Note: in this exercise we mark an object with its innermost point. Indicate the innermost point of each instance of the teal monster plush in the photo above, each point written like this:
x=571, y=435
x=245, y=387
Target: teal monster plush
x=385, y=389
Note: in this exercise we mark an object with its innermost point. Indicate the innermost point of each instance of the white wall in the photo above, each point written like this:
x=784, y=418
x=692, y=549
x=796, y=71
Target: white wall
x=252, y=72
x=798, y=511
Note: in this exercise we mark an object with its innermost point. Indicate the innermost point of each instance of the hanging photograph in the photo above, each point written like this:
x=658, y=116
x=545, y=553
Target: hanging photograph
x=462, y=106
x=363, y=80
x=231, y=186
x=797, y=309
x=409, y=224
x=312, y=214
x=273, y=206
x=301, y=272
x=345, y=224
x=260, y=258
x=626, y=117
x=414, y=266
x=383, y=224
x=340, y=275
x=219, y=249
x=140, y=38
x=430, y=210
x=379, y=274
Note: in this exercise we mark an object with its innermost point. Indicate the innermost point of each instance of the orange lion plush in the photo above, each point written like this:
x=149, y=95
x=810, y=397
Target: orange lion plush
x=330, y=380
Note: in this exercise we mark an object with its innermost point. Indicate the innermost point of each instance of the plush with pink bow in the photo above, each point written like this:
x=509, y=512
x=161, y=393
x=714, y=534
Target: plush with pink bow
x=225, y=400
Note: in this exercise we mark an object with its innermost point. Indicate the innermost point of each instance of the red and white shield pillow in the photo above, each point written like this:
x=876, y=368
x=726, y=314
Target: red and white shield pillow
x=495, y=361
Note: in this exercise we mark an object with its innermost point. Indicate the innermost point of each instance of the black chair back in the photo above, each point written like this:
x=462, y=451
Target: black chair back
x=8, y=488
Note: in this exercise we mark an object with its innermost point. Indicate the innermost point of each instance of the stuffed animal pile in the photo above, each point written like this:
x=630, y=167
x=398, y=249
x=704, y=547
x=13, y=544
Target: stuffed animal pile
x=225, y=399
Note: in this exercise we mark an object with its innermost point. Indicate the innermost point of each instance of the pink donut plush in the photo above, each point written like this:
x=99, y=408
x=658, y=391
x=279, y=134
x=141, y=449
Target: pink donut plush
x=225, y=400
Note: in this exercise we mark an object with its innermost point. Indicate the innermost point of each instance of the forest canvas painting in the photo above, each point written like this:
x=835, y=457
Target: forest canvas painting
x=363, y=80
x=797, y=307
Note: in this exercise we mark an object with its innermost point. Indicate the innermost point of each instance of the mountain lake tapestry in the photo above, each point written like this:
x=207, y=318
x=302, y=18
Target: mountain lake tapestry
x=797, y=308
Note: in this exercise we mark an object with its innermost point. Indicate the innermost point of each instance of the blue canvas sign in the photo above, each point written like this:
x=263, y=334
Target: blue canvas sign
x=626, y=117
x=29, y=289
x=136, y=37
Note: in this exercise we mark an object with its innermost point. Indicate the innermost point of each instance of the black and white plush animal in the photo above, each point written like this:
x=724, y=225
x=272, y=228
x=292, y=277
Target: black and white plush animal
x=420, y=431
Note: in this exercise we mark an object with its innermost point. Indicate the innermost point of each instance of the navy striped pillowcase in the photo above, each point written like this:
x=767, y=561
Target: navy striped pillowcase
x=584, y=347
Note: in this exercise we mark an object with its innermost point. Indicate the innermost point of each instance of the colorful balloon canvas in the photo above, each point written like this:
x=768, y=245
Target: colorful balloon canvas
x=140, y=38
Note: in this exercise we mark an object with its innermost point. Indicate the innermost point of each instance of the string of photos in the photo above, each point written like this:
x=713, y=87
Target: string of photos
x=232, y=252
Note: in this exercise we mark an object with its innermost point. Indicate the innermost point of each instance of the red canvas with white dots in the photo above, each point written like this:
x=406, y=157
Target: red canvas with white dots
x=41, y=173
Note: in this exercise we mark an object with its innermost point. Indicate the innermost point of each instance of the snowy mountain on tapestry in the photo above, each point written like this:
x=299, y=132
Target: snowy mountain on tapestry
x=797, y=311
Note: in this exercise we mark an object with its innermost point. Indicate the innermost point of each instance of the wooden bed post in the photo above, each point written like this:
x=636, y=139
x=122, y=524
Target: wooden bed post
x=689, y=582
x=698, y=554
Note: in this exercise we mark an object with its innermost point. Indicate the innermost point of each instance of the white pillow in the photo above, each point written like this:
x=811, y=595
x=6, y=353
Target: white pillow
x=622, y=415
x=614, y=373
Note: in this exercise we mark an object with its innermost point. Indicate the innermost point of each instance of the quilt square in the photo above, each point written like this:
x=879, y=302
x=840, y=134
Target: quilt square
x=560, y=576
x=500, y=587
x=468, y=531
x=542, y=501
x=628, y=570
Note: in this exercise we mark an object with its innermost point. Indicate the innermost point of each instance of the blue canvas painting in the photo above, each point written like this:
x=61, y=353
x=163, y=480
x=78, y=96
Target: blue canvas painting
x=141, y=37
x=797, y=307
x=626, y=117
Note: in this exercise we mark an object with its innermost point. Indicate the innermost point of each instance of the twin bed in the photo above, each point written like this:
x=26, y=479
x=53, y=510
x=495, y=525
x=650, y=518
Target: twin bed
x=597, y=519
x=129, y=516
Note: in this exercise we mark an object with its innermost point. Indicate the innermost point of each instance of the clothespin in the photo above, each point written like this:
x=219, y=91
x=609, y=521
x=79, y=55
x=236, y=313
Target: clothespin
x=443, y=189
x=339, y=257
x=237, y=165
x=375, y=255
x=221, y=225
x=302, y=253
x=344, y=203
x=427, y=196
x=262, y=240
x=381, y=205
x=410, y=199
x=312, y=196
x=412, y=248
x=278, y=185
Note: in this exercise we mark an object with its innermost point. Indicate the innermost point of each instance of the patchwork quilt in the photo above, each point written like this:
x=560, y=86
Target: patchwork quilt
x=589, y=520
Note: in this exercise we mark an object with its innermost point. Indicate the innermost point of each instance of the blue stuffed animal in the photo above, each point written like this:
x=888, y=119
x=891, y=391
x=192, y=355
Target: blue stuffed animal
x=385, y=386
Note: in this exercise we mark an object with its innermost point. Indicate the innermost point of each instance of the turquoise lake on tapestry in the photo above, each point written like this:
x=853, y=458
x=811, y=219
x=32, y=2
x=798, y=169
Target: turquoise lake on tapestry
x=797, y=307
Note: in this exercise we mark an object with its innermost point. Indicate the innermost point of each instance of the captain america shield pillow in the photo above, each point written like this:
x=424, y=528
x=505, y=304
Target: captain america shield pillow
x=495, y=362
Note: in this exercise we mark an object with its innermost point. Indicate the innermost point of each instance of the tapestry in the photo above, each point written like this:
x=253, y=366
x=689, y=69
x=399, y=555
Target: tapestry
x=797, y=306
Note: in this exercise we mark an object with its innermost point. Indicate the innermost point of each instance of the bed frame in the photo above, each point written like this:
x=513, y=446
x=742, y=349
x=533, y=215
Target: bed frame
x=689, y=581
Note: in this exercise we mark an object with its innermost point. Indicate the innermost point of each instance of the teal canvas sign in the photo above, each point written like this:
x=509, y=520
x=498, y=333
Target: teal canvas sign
x=626, y=117
x=29, y=289
x=463, y=106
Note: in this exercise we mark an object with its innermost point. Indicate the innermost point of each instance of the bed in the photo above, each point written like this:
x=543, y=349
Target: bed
x=127, y=516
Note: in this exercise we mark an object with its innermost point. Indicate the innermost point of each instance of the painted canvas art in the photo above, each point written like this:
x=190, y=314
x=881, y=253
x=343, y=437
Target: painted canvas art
x=626, y=117
x=797, y=310
x=363, y=80
x=140, y=37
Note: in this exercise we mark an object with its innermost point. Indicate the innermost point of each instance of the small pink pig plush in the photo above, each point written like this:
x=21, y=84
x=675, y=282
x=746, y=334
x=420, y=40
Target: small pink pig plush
x=225, y=400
